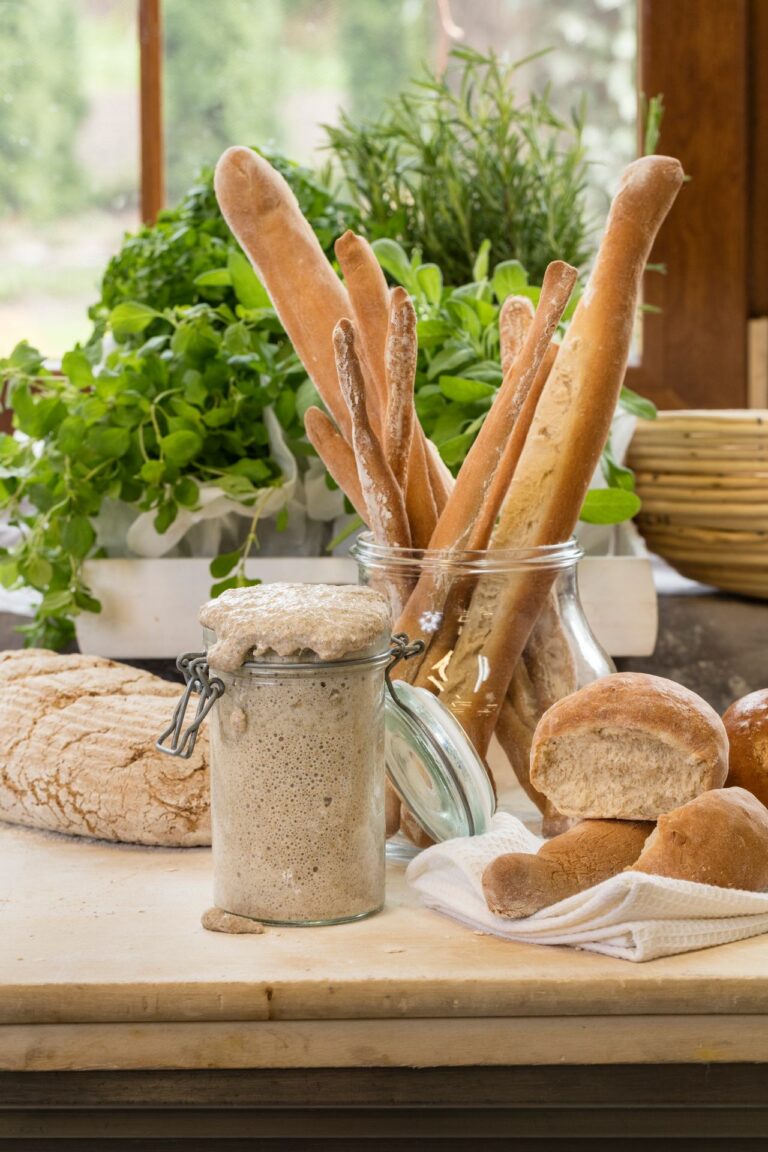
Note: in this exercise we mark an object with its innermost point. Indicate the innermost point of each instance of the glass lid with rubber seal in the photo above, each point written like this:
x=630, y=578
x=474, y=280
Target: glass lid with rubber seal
x=433, y=765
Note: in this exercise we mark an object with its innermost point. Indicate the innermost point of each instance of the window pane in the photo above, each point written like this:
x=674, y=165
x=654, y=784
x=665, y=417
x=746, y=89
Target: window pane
x=270, y=72
x=69, y=177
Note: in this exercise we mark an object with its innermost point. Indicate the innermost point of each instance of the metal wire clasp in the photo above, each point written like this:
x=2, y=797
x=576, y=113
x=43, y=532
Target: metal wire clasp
x=401, y=649
x=194, y=668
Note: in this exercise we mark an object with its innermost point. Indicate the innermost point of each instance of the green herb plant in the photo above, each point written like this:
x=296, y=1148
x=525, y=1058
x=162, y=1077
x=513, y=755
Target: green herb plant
x=165, y=413
x=458, y=159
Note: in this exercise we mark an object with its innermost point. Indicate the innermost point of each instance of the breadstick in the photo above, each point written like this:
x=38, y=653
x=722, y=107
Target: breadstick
x=383, y=498
x=468, y=506
x=337, y=456
x=441, y=480
x=308, y=296
x=569, y=430
x=514, y=323
x=401, y=353
x=522, y=883
x=369, y=297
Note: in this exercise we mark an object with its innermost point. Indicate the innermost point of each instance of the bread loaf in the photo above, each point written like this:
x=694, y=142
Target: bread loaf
x=77, y=752
x=629, y=747
x=719, y=838
x=521, y=883
x=746, y=722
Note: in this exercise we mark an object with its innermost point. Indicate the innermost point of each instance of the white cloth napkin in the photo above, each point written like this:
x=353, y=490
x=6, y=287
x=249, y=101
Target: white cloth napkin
x=632, y=915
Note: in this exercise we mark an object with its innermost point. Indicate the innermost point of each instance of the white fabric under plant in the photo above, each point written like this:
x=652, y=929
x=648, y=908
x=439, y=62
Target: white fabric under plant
x=632, y=916
x=218, y=524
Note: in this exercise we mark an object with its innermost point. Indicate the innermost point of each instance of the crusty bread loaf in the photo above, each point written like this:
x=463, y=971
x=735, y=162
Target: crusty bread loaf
x=746, y=722
x=719, y=838
x=629, y=747
x=77, y=752
x=521, y=883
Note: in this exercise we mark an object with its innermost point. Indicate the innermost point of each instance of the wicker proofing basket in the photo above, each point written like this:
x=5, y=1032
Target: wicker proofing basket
x=703, y=479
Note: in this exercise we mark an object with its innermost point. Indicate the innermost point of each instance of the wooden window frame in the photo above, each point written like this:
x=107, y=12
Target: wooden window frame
x=704, y=56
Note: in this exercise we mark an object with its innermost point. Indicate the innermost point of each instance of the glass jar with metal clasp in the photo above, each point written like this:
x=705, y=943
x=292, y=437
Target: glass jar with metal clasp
x=299, y=748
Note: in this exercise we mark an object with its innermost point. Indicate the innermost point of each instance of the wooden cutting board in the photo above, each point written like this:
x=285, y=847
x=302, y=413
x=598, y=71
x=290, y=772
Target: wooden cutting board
x=105, y=965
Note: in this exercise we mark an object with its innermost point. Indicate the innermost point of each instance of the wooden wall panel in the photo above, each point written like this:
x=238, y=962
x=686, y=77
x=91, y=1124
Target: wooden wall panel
x=696, y=53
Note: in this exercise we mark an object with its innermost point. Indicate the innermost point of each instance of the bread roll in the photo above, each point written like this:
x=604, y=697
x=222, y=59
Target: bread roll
x=521, y=883
x=719, y=838
x=77, y=752
x=746, y=722
x=628, y=747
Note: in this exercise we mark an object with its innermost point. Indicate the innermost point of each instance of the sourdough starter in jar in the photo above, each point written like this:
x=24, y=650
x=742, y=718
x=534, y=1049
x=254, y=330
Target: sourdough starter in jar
x=297, y=751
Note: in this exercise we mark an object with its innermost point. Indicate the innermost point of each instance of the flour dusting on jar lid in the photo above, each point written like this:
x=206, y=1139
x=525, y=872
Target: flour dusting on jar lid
x=327, y=621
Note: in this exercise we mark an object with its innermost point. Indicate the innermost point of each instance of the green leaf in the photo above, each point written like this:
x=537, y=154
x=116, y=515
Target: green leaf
x=153, y=471
x=480, y=266
x=26, y=358
x=232, y=582
x=637, y=405
x=509, y=279
x=180, y=447
x=78, y=536
x=131, y=317
x=449, y=359
x=109, y=443
x=391, y=256
x=37, y=571
x=453, y=451
x=609, y=506
x=430, y=281
x=86, y=602
x=465, y=391
x=307, y=396
x=255, y=470
x=216, y=278
x=77, y=367
x=71, y=434
x=186, y=492
x=56, y=603
x=616, y=475
x=165, y=517
x=225, y=563
x=249, y=290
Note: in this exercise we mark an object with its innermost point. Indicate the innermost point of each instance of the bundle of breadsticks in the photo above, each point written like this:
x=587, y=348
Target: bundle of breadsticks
x=524, y=480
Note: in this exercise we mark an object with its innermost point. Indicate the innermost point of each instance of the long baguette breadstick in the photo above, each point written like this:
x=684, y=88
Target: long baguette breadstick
x=383, y=498
x=514, y=324
x=522, y=883
x=371, y=312
x=562, y=450
x=370, y=301
x=401, y=353
x=308, y=296
x=440, y=478
x=468, y=504
x=457, y=597
x=337, y=456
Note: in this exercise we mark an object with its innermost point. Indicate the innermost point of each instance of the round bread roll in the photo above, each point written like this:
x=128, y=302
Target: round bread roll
x=746, y=722
x=628, y=747
x=719, y=838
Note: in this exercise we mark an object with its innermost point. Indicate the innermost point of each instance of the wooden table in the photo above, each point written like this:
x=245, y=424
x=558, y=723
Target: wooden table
x=106, y=973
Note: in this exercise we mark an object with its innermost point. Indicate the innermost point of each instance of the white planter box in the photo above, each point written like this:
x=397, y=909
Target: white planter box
x=149, y=607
